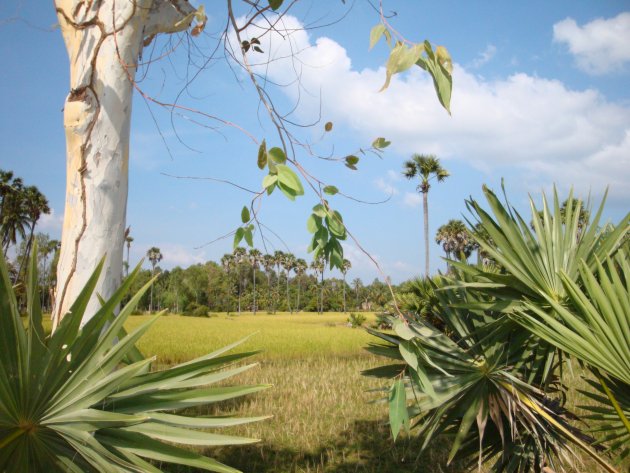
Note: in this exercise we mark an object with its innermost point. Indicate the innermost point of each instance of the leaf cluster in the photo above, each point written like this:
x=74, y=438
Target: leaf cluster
x=84, y=399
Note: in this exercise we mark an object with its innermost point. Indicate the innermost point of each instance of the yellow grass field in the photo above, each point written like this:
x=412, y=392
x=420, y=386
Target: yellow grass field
x=324, y=419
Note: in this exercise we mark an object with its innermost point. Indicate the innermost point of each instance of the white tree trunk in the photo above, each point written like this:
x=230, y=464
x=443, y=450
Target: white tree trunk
x=104, y=39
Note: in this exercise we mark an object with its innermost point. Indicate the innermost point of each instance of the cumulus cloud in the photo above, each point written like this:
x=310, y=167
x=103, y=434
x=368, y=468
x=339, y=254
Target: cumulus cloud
x=50, y=223
x=600, y=46
x=484, y=57
x=535, y=126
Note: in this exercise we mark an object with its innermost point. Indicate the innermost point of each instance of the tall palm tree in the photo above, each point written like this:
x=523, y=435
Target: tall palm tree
x=240, y=257
x=345, y=267
x=255, y=257
x=455, y=239
x=128, y=241
x=300, y=268
x=288, y=263
x=318, y=265
x=34, y=204
x=13, y=217
x=227, y=261
x=426, y=168
x=154, y=255
x=269, y=262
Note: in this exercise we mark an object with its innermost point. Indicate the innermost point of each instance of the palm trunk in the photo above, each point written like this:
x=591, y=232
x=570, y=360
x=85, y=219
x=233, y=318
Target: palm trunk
x=104, y=40
x=288, y=297
x=321, y=296
x=270, y=304
x=151, y=299
x=425, y=207
x=297, y=304
x=254, y=281
x=29, y=244
x=344, y=293
x=239, y=291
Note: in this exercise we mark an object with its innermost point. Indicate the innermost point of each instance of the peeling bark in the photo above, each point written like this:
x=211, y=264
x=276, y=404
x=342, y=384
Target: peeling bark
x=104, y=39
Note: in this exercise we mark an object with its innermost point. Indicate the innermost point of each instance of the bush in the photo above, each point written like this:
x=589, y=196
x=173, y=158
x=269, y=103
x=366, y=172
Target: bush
x=356, y=320
x=196, y=310
x=383, y=321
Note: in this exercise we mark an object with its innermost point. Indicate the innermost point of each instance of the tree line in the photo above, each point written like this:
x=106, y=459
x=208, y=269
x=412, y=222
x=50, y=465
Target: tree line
x=250, y=281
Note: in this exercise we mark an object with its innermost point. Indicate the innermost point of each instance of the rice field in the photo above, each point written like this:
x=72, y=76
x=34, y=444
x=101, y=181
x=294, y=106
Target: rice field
x=324, y=415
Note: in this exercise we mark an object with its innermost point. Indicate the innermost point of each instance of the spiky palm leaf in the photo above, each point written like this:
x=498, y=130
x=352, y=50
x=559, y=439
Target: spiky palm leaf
x=532, y=260
x=595, y=329
x=473, y=385
x=68, y=404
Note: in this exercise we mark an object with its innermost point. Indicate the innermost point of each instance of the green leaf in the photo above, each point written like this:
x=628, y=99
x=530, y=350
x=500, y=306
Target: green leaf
x=287, y=178
x=320, y=211
x=262, y=155
x=375, y=34
x=313, y=223
x=275, y=4
x=277, y=155
x=238, y=236
x=439, y=67
x=400, y=59
x=380, y=143
x=249, y=238
x=331, y=190
x=245, y=217
x=335, y=225
x=270, y=180
x=398, y=414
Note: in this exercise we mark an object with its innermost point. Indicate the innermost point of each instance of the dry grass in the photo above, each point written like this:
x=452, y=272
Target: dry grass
x=324, y=420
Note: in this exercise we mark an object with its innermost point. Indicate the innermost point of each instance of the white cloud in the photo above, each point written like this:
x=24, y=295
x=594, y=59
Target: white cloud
x=50, y=223
x=528, y=124
x=412, y=199
x=484, y=57
x=386, y=186
x=600, y=46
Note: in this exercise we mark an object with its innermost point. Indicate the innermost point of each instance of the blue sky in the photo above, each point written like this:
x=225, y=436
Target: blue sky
x=540, y=97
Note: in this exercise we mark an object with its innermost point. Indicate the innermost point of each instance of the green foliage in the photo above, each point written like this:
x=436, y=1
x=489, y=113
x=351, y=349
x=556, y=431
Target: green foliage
x=356, y=320
x=492, y=383
x=66, y=404
x=196, y=310
x=595, y=328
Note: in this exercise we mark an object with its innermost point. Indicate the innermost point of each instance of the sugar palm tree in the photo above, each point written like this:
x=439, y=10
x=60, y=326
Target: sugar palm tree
x=227, y=261
x=255, y=257
x=13, y=217
x=269, y=262
x=128, y=241
x=426, y=168
x=345, y=267
x=288, y=263
x=34, y=205
x=300, y=268
x=318, y=265
x=240, y=256
x=154, y=255
x=455, y=239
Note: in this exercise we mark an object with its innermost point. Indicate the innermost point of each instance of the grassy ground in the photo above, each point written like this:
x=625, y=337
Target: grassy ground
x=324, y=420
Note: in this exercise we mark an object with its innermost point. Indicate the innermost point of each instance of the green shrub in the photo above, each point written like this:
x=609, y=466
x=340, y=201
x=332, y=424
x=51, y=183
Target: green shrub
x=80, y=401
x=196, y=310
x=356, y=320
